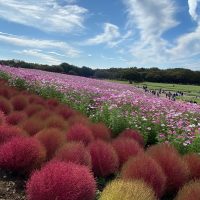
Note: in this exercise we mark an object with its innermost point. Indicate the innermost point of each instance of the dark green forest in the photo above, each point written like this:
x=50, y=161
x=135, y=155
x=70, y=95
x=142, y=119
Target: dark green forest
x=172, y=75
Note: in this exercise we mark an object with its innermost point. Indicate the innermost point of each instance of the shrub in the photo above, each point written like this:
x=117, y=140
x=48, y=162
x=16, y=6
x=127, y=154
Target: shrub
x=2, y=118
x=5, y=92
x=100, y=131
x=193, y=162
x=35, y=99
x=19, y=102
x=9, y=132
x=126, y=148
x=5, y=106
x=32, y=125
x=63, y=181
x=64, y=111
x=127, y=190
x=52, y=139
x=190, y=191
x=80, y=133
x=130, y=133
x=32, y=109
x=52, y=103
x=78, y=119
x=104, y=158
x=56, y=121
x=145, y=168
x=16, y=117
x=172, y=164
x=21, y=155
x=43, y=114
x=74, y=152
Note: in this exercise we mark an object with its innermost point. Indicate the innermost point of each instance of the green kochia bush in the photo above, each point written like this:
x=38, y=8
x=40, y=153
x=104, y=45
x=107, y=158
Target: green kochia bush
x=128, y=190
x=61, y=181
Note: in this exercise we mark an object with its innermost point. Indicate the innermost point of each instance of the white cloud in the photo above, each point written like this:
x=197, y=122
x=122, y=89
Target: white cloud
x=151, y=17
x=110, y=34
x=193, y=4
x=21, y=41
x=43, y=15
x=37, y=53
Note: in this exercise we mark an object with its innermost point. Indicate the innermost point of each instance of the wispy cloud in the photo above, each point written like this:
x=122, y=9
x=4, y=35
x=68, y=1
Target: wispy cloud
x=110, y=34
x=44, y=15
x=21, y=41
x=39, y=55
x=193, y=4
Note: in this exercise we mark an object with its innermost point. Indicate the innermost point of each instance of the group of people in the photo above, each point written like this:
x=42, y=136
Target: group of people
x=168, y=94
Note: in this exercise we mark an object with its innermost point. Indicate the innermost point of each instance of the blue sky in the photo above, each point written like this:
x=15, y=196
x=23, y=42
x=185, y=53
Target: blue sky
x=102, y=33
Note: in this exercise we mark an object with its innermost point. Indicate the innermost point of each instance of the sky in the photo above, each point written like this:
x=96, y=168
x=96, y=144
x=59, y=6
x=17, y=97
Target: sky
x=102, y=33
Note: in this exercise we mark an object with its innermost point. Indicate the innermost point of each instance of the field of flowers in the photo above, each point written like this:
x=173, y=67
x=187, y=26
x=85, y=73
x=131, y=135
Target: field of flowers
x=119, y=106
x=62, y=155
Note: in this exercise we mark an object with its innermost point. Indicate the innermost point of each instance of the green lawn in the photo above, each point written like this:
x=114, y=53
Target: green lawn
x=190, y=91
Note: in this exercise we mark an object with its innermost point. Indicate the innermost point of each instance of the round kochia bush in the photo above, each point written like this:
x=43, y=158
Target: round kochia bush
x=100, y=131
x=172, y=164
x=193, y=162
x=22, y=155
x=62, y=181
x=125, y=148
x=16, y=117
x=19, y=102
x=5, y=105
x=2, y=118
x=127, y=190
x=104, y=158
x=130, y=133
x=74, y=152
x=80, y=133
x=190, y=191
x=52, y=139
x=9, y=132
x=145, y=168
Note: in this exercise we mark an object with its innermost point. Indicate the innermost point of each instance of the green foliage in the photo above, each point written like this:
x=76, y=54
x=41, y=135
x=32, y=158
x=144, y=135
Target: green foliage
x=195, y=146
x=19, y=83
x=4, y=76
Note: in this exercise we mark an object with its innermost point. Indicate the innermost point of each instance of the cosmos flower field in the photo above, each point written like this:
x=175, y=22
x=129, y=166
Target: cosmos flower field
x=122, y=106
x=121, y=151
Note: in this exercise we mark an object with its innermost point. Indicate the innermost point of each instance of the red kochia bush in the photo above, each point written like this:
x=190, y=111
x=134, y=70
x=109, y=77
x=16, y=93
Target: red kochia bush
x=130, y=133
x=52, y=103
x=43, y=114
x=9, y=132
x=80, y=133
x=5, y=92
x=16, y=117
x=125, y=148
x=2, y=118
x=78, y=119
x=52, y=139
x=74, y=152
x=19, y=102
x=21, y=155
x=56, y=121
x=5, y=106
x=34, y=99
x=145, y=168
x=104, y=158
x=32, y=109
x=32, y=125
x=64, y=111
x=100, y=131
x=193, y=162
x=190, y=191
x=62, y=181
x=172, y=164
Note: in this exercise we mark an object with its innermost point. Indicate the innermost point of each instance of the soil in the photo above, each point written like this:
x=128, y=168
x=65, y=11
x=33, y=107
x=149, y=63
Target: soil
x=11, y=186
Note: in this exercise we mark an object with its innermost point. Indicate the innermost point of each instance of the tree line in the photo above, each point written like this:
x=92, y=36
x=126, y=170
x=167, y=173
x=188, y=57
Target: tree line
x=132, y=74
